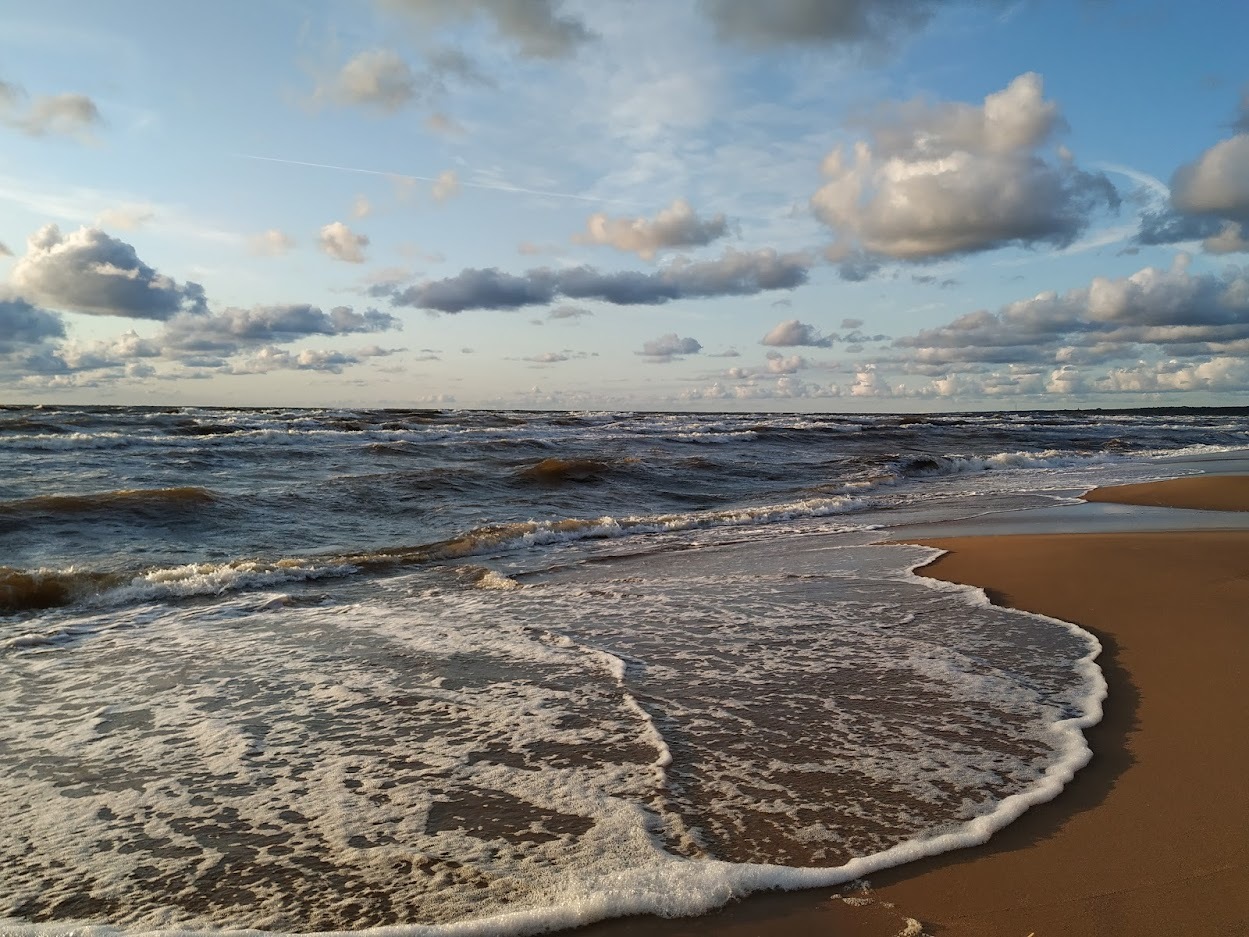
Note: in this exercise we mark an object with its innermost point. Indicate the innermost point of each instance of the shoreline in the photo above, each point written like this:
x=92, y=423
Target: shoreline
x=1148, y=839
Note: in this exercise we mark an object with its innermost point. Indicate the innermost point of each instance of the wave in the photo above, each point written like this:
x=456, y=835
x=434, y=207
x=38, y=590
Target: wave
x=22, y=590
x=555, y=470
x=141, y=501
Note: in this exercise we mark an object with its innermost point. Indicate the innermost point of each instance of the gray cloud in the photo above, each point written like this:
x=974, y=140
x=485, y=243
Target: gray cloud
x=676, y=226
x=817, y=21
x=24, y=324
x=1209, y=198
x=4, y=250
x=568, y=312
x=736, y=273
x=791, y=332
x=668, y=347
x=89, y=271
x=58, y=114
x=234, y=329
x=340, y=242
x=539, y=28
x=944, y=179
x=383, y=80
x=1169, y=311
x=1217, y=183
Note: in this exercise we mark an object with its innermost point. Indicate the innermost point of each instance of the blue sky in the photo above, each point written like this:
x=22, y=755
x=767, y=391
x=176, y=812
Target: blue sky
x=708, y=204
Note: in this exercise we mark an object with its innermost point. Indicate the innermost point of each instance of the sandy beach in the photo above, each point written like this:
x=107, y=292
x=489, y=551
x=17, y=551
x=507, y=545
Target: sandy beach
x=1149, y=838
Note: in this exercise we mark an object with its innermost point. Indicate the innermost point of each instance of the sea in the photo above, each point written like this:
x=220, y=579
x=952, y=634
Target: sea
x=426, y=672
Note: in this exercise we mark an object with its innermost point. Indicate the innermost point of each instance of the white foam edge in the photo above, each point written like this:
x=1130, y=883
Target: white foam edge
x=674, y=886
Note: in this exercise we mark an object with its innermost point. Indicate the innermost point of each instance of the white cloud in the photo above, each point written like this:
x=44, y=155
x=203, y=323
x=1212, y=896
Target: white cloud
x=90, y=272
x=676, y=226
x=942, y=179
x=792, y=332
x=271, y=243
x=338, y=241
x=126, y=217
x=669, y=347
x=446, y=186
x=59, y=114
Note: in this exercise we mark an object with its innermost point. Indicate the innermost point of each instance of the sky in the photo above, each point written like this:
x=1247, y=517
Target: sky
x=799, y=205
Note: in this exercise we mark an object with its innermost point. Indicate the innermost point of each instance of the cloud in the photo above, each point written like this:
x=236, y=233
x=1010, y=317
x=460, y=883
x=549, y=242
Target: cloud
x=812, y=22
x=338, y=241
x=88, y=271
x=126, y=217
x=792, y=332
x=271, y=243
x=852, y=323
x=669, y=347
x=58, y=114
x=568, y=312
x=868, y=382
x=1173, y=312
x=1209, y=198
x=780, y=364
x=272, y=358
x=675, y=226
x=944, y=179
x=735, y=273
x=783, y=388
x=4, y=250
x=376, y=78
x=361, y=207
x=234, y=329
x=24, y=324
x=446, y=186
x=538, y=28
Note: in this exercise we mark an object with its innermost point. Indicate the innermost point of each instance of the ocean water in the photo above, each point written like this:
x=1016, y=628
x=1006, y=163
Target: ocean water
x=447, y=672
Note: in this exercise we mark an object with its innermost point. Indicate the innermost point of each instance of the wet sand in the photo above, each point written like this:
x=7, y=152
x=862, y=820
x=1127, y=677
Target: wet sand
x=1152, y=837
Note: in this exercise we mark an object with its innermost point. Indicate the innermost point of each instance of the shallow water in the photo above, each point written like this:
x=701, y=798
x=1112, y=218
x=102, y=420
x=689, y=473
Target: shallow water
x=491, y=693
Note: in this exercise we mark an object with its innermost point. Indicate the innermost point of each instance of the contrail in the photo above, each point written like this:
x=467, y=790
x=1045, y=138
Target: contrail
x=493, y=186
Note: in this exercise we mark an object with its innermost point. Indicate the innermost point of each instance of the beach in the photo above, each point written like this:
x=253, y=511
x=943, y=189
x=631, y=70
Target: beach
x=1149, y=838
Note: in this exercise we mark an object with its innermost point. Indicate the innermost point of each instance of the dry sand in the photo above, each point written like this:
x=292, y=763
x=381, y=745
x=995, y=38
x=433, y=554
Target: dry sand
x=1152, y=838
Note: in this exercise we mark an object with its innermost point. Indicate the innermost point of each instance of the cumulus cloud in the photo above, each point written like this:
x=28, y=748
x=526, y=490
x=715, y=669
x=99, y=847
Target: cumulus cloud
x=780, y=364
x=44, y=115
x=272, y=358
x=378, y=78
x=1153, y=312
x=792, y=332
x=676, y=226
x=669, y=347
x=1209, y=198
x=538, y=28
x=88, y=271
x=271, y=243
x=24, y=324
x=946, y=178
x=736, y=273
x=1212, y=195
x=340, y=242
x=868, y=382
x=446, y=186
